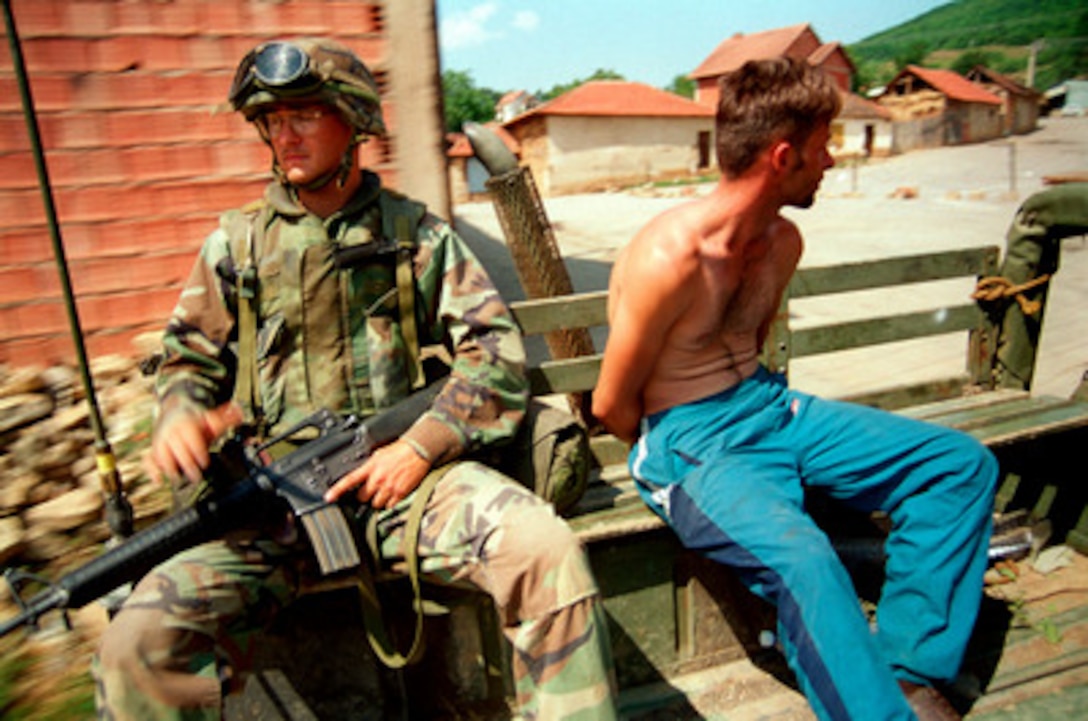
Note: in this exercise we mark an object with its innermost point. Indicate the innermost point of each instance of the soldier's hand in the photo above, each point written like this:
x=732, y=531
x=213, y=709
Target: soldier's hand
x=384, y=479
x=179, y=450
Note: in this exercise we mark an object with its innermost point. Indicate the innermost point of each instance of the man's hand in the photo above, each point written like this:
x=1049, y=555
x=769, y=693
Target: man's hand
x=384, y=479
x=180, y=447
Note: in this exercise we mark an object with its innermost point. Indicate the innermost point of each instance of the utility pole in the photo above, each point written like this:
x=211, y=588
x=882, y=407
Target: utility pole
x=1035, y=48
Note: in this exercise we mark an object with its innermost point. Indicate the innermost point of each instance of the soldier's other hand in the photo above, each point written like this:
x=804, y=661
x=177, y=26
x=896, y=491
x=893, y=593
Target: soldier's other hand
x=179, y=450
x=384, y=479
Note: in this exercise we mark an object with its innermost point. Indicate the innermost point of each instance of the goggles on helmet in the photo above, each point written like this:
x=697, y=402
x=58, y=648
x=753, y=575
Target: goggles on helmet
x=280, y=67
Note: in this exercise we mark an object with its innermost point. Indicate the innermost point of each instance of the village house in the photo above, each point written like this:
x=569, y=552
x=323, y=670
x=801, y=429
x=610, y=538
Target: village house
x=932, y=108
x=513, y=104
x=608, y=133
x=861, y=129
x=795, y=41
x=1020, y=105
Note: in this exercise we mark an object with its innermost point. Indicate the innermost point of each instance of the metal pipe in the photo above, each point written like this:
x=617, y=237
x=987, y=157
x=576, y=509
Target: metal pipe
x=118, y=509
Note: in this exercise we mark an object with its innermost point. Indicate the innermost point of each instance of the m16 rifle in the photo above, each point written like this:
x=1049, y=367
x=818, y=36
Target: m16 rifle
x=299, y=478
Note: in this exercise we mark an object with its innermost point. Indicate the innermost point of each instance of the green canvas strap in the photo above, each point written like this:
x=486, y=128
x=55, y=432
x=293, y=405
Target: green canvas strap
x=373, y=618
x=246, y=384
x=406, y=295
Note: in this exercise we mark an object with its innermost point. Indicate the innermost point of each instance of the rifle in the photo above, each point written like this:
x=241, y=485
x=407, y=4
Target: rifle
x=300, y=478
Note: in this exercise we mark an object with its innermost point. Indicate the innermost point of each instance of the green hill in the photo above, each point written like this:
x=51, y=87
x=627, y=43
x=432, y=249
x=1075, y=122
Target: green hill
x=996, y=33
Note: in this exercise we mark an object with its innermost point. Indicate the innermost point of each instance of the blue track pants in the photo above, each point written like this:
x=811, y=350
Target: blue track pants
x=729, y=474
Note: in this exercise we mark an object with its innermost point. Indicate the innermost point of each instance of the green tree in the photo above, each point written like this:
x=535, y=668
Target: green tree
x=557, y=90
x=683, y=86
x=967, y=61
x=464, y=101
x=911, y=54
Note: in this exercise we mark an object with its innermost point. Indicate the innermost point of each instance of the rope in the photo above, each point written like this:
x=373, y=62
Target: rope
x=997, y=287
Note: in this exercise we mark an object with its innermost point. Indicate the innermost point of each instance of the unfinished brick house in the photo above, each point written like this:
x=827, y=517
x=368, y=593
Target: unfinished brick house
x=932, y=108
x=140, y=163
x=1020, y=105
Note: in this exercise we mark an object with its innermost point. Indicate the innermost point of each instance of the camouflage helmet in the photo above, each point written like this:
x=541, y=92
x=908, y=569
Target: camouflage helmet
x=308, y=69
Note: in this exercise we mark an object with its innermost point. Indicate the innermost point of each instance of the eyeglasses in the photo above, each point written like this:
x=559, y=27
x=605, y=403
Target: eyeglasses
x=301, y=122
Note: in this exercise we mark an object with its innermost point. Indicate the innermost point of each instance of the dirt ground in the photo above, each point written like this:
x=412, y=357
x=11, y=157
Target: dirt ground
x=958, y=197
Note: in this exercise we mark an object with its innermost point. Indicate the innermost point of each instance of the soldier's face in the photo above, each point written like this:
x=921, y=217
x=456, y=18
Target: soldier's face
x=307, y=140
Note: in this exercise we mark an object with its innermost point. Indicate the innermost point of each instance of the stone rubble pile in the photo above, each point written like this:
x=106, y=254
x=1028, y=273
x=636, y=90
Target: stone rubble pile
x=51, y=499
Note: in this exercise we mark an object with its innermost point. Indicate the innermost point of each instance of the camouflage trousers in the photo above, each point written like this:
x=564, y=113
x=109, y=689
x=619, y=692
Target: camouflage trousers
x=181, y=640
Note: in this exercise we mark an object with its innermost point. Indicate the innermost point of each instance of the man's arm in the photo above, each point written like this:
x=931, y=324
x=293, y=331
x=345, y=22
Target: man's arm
x=648, y=292
x=196, y=374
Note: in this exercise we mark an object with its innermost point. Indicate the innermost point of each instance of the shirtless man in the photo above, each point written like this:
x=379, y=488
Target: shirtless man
x=725, y=452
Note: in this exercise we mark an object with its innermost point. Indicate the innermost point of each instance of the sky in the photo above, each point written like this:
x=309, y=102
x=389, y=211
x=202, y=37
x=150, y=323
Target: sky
x=526, y=45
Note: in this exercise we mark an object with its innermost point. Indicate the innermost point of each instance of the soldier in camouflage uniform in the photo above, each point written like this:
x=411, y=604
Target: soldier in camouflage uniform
x=293, y=306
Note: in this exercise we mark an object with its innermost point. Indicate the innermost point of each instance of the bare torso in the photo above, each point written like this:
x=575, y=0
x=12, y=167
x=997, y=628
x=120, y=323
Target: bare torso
x=729, y=295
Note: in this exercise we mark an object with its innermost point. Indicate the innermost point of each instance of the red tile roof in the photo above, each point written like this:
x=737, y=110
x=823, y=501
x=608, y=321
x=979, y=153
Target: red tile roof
x=618, y=98
x=739, y=49
x=951, y=84
x=855, y=107
x=459, y=147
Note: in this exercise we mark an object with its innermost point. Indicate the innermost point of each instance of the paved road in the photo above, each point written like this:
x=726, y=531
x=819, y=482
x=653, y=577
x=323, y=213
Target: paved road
x=963, y=197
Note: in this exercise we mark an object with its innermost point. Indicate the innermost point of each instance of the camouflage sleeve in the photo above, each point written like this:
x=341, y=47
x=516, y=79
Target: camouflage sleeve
x=485, y=399
x=198, y=366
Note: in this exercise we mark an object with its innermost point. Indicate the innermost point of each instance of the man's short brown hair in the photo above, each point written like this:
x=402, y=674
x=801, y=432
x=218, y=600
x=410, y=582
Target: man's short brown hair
x=767, y=100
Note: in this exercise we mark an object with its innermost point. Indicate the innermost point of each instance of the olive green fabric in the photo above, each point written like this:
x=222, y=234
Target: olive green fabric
x=1033, y=250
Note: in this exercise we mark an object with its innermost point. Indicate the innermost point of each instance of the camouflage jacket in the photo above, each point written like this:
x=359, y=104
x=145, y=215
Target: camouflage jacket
x=329, y=331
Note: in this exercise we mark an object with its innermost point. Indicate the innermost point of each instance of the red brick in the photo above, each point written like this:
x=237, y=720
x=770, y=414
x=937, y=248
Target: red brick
x=118, y=53
x=88, y=19
x=358, y=16
x=78, y=240
x=13, y=134
x=222, y=17
x=134, y=18
x=84, y=167
x=99, y=203
x=19, y=283
x=37, y=351
x=50, y=92
x=72, y=130
x=163, y=53
x=25, y=246
x=113, y=275
x=167, y=162
x=136, y=236
x=21, y=208
x=9, y=322
x=17, y=171
x=49, y=55
x=305, y=18
x=38, y=17
x=210, y=53
x=240, y=158
x=35, y=319
x=177, y=18
x=120, y=310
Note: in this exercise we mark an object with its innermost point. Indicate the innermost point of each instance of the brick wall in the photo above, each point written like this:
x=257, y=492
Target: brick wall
x=140, y=165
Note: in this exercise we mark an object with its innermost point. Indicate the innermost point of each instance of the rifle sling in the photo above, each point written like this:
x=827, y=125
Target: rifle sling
x=373, y=618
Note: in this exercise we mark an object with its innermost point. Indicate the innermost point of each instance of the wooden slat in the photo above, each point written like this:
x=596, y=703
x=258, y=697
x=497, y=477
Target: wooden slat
x=1058, y=419
x=841, y=278
x=856, y=334
x=570, y=375
x=930, y=411
x=991, y=413
x=543, y=315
